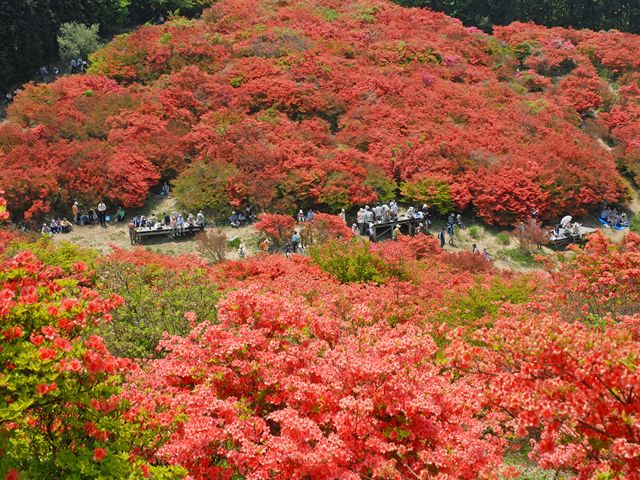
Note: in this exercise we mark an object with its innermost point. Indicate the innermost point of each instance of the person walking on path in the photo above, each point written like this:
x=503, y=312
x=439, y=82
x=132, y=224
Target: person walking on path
x=102, y=213
x=442, y=237
x=450, y=231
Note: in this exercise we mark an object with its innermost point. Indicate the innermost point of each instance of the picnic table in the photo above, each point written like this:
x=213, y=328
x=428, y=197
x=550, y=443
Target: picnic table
x=142, y=233
x=384, y=230
x=568, y=237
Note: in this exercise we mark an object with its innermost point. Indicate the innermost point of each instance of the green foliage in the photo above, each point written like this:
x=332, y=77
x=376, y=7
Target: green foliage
x=143, y=10
x=156, y=300
x=484, y=301
x=63, y=254
x=634, y=224
x=519, y=256
x=593, y=14
x=433, y=191
x=350, y=262
x=203, y=186
x=474, y=232
x=503, y=239
x=381, y=184
x=76, y=40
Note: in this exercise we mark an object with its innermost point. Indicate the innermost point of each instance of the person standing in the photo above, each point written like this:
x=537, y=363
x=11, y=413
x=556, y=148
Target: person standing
x=442, y=237
x=102, y=213
x=75, y=210
x=343, y=216
x=450, y=231
x=295, y=242
x=395, y=234
x=132, y=233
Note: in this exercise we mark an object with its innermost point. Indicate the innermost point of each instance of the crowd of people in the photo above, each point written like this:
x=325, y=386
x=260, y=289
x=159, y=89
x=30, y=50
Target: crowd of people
x=242, y=218
x=89, y=216
x=48, y=74
x=176, y=222
x=614, y=218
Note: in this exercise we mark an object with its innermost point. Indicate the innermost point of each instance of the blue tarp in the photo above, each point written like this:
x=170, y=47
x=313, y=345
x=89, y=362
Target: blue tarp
x=606, y=224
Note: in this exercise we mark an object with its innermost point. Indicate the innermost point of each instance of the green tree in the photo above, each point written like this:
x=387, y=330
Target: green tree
x=433, y=191
x=76, y=40
x=203, y=186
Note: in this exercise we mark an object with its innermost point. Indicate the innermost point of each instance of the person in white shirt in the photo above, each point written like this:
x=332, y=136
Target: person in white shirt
x=102, y=213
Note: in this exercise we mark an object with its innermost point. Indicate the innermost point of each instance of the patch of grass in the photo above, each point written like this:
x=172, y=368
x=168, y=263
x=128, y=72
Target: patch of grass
x=503, y=239
x=634, y=225
x=519, y=256
x=474, y=232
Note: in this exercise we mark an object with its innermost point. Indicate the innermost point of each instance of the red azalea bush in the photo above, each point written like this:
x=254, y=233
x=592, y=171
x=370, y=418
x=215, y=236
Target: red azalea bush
x=277, y=228
x=272, y=390
x=333, y=105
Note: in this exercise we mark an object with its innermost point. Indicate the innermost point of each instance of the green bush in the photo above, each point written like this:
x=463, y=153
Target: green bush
x=503, y=239
x=384, y=187
x=484, y=302
x=203, y=186
x=156, y=300
x=350, y=262
x=76, y=40
x=634, y=225
x=63, y=254
x=433, y=191
x=474, y=232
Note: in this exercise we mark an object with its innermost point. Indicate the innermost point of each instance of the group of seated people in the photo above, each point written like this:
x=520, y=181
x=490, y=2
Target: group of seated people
x=56, y=226
x=242, y=218
x=569, y=230
x=174, y=221
x=614, y=218
x=90, y=217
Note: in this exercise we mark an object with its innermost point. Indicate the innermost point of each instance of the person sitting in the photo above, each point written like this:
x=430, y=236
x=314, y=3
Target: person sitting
x=234, y=220
x=174, y=225
x=151, y=221
x=411, y=212
x=119, y=216
x=65, y=225
x=143, y=221
x=200, y=219
x=92, y=216
x=191, y=221
x=54, y=226
x=624, y=220
x=180, y=224
x=46, y=230
x=242, y=219
x=166, y=220
x=575, y=230
x=248, y=212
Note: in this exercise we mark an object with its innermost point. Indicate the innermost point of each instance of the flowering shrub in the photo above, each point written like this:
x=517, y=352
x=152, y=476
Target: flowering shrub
x=60, y=411
x=332, y=111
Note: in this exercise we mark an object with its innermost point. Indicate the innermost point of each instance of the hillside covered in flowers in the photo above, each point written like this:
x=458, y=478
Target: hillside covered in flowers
x=331, y=104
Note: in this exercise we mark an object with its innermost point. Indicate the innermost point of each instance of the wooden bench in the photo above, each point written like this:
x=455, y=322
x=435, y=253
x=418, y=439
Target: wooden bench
x=144, y=232
x=567, y=238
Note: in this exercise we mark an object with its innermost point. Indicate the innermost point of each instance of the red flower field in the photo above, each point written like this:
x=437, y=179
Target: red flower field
x=332, y=104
